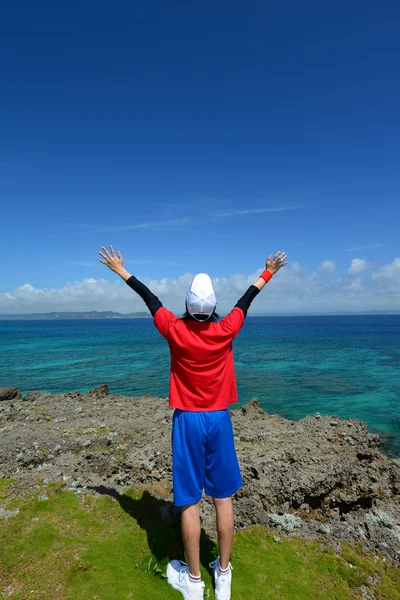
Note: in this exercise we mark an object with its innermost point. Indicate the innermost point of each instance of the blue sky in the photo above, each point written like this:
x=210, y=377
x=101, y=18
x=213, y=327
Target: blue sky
x=197, y=137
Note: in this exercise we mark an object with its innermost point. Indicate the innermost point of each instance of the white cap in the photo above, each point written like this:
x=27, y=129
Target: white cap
x=201, y=297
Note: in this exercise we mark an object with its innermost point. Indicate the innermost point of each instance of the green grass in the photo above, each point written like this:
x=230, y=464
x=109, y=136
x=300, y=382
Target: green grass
x=112, y=546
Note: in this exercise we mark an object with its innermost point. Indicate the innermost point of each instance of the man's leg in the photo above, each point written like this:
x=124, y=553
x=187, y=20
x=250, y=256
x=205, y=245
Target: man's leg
x=190, y=524
x=225, y=528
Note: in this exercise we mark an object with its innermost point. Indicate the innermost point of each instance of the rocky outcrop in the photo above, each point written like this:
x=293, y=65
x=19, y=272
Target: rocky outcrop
x=321, y=476
x=9, y=393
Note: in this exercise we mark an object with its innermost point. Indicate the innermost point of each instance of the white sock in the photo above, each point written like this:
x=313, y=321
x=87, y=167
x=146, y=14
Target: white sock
x=194, y=579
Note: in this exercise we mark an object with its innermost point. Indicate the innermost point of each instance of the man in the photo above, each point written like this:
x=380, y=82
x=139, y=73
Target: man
x=202, y=384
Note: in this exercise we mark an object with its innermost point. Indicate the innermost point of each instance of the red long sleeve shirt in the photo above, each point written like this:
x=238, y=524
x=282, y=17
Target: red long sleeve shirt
x=202, y=375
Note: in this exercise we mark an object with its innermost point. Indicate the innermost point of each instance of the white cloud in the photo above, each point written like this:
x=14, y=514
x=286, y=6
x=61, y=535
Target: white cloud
x=358, y=266
x=292, y=289
x=151, y=225
x=364, y=247
x=219, y=214
x=82, y=263
x=389, y=276
x=356, y=285
x=328, y=267
x=252, y=211
x=296, y=267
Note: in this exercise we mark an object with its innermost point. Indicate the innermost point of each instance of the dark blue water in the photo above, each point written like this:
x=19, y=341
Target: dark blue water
x=348, y=365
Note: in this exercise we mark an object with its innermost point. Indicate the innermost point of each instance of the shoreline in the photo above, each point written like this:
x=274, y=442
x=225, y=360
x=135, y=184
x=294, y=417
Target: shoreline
x=386, y=438
x=99, y=317
x=320, y=476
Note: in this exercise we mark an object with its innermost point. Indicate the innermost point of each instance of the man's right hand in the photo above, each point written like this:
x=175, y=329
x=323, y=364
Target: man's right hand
x=275, y=263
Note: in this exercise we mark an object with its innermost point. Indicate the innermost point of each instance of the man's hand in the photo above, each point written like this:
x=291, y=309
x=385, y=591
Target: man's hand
x=275, y=263
x=113, y=262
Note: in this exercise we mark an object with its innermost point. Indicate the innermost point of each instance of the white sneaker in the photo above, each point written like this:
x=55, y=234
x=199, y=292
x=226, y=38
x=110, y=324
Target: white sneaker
x=222, y=582
x=178, y=577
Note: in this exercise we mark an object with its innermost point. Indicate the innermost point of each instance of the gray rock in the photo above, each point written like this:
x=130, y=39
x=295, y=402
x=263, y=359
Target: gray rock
x=6, y=514
x=349, y=440
x=285, y=522
x=98, y=392
x=10, y=393
x=32, y=396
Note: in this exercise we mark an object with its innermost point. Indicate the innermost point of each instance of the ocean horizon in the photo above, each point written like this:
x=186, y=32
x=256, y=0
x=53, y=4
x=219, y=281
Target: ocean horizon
x=348, y=365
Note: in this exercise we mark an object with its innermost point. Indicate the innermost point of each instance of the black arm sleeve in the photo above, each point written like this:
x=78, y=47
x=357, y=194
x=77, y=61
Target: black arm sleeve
x=153, y=303
x=247, y=298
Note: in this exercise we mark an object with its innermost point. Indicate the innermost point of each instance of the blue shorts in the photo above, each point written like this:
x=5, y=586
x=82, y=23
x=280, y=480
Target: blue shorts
x=203, y=456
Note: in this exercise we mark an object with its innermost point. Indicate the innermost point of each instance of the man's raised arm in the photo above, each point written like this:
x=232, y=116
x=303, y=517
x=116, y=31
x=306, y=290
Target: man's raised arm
x=272, y=266
x=115, y=263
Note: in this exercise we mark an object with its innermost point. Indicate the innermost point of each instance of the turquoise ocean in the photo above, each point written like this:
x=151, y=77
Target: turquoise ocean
x=295, y=366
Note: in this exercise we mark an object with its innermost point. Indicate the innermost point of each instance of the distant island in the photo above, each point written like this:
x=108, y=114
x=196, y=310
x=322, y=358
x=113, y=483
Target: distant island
x=92, y=314
x=109, y=314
